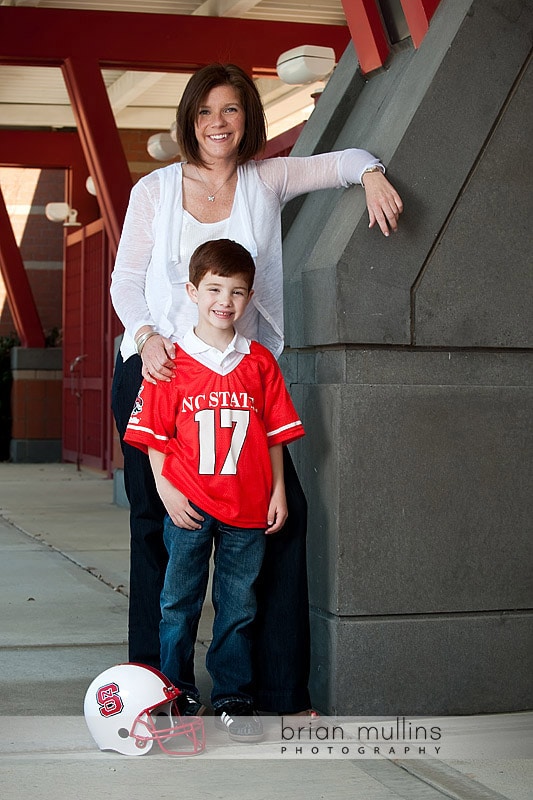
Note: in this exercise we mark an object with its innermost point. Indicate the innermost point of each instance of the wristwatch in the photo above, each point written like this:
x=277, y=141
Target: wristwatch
x=375, y=168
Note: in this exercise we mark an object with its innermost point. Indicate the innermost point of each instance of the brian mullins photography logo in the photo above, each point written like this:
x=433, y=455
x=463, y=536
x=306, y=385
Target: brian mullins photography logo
x=357, y=738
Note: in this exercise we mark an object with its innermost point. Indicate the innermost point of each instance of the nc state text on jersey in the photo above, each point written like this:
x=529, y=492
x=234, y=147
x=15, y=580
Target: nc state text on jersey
x=217, y=400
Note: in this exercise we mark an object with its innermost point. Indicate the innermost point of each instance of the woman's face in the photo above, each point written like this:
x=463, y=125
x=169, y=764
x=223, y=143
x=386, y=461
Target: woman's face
x=219, y=126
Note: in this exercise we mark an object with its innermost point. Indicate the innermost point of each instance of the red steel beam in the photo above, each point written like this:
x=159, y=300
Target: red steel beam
x=163, y=42
x=39, y=149
x=99, y=140
x=418, y=14
x=283, y=142
x=368, y=33
x=19, y=293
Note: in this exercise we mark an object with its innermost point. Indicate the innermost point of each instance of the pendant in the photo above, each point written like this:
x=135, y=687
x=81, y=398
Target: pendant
x=211, y=198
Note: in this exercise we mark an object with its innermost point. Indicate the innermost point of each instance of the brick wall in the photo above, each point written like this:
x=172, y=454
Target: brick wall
x=26, y=192
x=134, y=144
x=36, y=404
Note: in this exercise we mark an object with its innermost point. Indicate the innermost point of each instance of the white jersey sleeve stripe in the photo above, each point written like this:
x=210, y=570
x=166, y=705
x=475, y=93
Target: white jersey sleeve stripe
x=150, y=431
x=285, y=428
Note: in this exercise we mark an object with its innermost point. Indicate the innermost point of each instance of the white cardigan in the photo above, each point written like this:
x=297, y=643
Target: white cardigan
x=150, y=273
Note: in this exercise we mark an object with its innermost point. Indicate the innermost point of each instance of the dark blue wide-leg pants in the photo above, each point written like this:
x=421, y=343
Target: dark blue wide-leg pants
x=282, y=643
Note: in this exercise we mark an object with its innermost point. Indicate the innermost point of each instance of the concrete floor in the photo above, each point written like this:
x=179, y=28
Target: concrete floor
x=63, y=593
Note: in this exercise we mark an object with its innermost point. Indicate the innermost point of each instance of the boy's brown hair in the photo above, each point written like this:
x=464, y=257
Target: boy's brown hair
x=222, y=257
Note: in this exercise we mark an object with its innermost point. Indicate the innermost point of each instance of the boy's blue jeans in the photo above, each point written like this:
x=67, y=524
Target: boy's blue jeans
x=238, y=556
x=282, y=637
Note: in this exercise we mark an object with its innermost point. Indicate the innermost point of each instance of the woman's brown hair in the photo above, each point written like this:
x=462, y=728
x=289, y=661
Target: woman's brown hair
x=197, y=89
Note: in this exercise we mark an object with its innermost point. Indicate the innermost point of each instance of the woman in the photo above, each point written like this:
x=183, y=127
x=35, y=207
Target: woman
x=219, y=191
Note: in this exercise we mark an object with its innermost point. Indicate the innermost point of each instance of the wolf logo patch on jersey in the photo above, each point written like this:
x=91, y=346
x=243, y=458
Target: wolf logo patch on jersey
x=138, y=405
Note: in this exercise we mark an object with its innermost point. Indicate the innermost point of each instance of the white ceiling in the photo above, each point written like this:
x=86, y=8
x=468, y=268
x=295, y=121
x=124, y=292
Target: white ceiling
x=37, y=97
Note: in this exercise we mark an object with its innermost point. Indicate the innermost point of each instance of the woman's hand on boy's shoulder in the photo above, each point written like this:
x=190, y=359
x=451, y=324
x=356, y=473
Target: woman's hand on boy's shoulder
x=158, y=356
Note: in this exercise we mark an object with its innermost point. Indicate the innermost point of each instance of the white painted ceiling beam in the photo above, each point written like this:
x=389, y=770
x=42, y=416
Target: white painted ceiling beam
x=224, y=8
x=20, y=115
x=299, y=97
x=158, y=118
x=131, y=85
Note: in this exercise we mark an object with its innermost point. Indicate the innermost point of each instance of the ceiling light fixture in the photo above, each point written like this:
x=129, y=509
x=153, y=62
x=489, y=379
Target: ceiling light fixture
x=162, y=147
x=89, y=185
x=305, y=64
x=62, y=212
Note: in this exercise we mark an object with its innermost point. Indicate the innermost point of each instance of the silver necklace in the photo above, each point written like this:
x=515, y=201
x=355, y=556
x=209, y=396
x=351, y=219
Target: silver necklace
x=211, y=197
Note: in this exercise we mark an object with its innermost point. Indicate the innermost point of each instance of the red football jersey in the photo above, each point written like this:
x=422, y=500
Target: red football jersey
x=216, y=430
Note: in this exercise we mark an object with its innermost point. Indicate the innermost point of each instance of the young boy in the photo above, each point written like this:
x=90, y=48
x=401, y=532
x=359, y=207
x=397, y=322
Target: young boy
x=214, y=435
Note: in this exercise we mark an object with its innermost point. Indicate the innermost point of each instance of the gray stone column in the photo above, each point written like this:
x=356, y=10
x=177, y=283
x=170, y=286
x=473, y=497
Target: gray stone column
x=410, y=360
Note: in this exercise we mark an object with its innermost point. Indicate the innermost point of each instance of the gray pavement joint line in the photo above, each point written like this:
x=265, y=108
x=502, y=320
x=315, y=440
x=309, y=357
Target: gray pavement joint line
x=447, y=780
x=89, y=570
x=401, y=782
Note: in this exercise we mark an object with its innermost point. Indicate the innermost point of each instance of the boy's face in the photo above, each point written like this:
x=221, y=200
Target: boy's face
x=221, y=301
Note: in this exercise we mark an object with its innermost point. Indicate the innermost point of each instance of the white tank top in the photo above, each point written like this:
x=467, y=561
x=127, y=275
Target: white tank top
x=195, y=233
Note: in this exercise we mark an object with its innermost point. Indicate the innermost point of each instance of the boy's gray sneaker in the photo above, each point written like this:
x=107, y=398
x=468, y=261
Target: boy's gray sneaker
x=240, y=720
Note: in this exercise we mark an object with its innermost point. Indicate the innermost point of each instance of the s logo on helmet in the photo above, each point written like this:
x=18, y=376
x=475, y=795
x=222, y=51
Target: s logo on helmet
x=109, y=700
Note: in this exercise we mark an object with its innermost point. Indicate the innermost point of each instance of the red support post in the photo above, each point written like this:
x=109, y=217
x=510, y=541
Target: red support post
x=282, y=144
x=418, y=13
x=368, y=33
x=19, y=293
x=100, y=141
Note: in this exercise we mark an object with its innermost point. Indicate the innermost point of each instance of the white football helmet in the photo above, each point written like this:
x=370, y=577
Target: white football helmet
x=130, y=706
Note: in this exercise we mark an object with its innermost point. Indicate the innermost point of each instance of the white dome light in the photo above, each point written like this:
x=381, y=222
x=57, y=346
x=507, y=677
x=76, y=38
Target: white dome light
x=305, y=64
x=162, y=147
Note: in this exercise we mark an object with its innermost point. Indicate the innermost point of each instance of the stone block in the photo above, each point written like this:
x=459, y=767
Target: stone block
x=422, y=665
x=37, y=358
x=119, y=491
x=35, y=451
x=419, y=490
x=477, y=286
